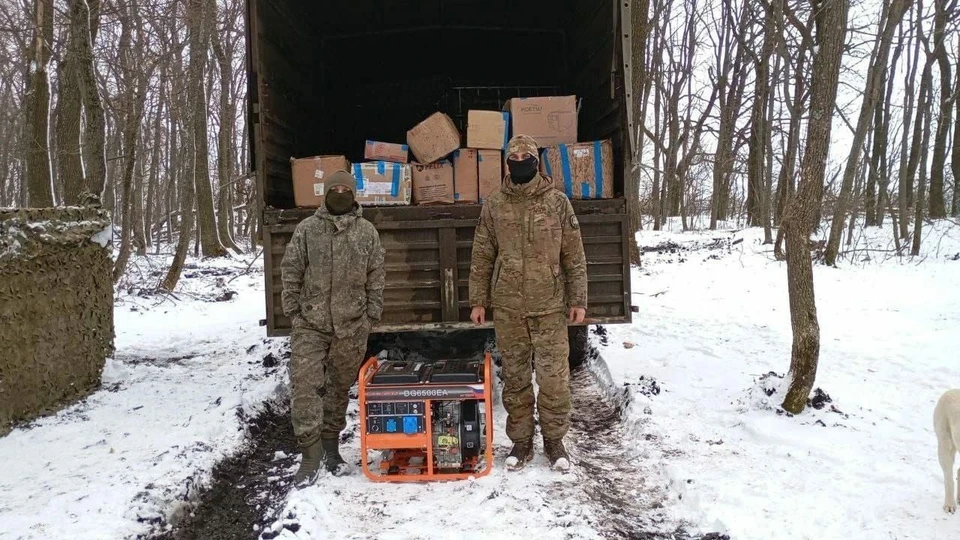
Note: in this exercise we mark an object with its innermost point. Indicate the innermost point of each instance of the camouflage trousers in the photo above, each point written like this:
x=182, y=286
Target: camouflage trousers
x=543, y=342
x=322, y=370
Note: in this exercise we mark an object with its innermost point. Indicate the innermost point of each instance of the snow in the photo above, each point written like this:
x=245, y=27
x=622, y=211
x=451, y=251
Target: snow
x=103, y=237
x=701, y=419
x=713, y=322
x=167, y=412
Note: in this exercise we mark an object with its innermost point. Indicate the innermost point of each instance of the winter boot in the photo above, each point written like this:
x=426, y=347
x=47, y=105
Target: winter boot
x=520, y=455
x=310, y=465
x=334, y=462
x=557, y=454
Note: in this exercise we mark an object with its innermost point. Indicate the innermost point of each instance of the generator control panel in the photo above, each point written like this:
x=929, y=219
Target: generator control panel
x=396, y=417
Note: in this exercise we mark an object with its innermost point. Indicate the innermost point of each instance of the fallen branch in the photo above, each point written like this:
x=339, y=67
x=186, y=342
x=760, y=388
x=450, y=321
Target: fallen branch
x=247, y=270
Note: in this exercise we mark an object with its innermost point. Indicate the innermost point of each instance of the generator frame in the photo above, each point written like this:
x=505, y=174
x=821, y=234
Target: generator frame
x=404, y=446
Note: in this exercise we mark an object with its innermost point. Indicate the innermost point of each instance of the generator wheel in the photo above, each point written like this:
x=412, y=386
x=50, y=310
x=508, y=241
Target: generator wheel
x=579, y=347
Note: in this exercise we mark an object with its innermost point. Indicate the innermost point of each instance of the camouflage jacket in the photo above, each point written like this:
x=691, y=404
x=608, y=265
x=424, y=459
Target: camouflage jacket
x=527, y=252
x=333, y=274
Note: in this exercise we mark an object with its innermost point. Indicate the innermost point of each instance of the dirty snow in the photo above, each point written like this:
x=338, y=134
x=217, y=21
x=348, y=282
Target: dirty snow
x=700, y=430
x=714, y=322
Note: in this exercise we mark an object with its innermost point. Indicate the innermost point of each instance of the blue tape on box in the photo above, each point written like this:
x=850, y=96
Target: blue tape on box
x=565, y=166
x=506, y=129
x=358, y=173
x=597, y=169
x=395, y=188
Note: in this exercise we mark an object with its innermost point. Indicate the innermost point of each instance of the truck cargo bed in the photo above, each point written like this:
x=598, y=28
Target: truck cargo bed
x=326, y=75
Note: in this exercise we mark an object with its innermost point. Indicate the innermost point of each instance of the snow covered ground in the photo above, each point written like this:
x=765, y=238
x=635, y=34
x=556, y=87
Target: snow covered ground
x=714, y=318
x=120, y=460
x=701, y=443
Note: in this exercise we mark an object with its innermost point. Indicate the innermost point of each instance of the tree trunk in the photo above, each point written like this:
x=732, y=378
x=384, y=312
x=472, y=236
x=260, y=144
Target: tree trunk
x=196, y=133
x=890, y=20
x=873, y=178
x=801, y=214
x=37, y=101
x=925, y=113
x=905, y=195
x=955, y=210
x=225, y=156
x=94, y=137
x=69, y=108
x=135, y=79
x=938, y=208
x=210, y=244
x=759, y=125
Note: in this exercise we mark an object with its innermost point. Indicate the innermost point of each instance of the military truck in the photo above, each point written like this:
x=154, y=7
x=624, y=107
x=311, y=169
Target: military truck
x=326, y=75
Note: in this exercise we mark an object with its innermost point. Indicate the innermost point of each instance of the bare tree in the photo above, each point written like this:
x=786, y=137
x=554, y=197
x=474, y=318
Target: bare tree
x=943, y=11
x=925, y=113
x=197, y=13
x=730, y=82
x=893, y=13
x=225, y=154
x=955, y=210
x=36, y=128
x=800, y=218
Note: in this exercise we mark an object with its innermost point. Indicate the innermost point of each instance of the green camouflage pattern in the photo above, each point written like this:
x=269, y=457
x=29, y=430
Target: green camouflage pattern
x=333, y=279
x=528, y=255
x=323, y=367
x=542, y=340
x=327, y=249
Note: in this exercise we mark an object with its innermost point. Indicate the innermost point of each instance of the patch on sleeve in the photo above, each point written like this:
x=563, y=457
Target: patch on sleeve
x=573, y=222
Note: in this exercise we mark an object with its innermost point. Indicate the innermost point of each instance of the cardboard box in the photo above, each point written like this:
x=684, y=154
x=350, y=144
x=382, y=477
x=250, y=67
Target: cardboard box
x=308, y=174
x=488, y=129
x=434, y=138
x=549, y=120
x=381, y=183
x=384, y=151
x=465, y=176
x=489, y=172
x=582, y=170
x=433, y=183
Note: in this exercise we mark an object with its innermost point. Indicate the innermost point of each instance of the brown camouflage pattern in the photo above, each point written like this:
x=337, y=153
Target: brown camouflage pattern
x=333, y=280
x=527, y=253
x=523, y=143
x=542, y=340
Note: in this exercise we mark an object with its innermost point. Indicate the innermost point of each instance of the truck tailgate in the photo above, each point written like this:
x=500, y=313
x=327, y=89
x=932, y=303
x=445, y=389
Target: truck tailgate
x=427, y=261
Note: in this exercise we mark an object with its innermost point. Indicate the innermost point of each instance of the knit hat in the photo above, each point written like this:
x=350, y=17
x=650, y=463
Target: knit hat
x=523, y=143
x=341, y=178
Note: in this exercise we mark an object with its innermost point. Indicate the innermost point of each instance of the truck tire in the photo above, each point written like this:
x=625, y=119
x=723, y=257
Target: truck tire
x=579, y=346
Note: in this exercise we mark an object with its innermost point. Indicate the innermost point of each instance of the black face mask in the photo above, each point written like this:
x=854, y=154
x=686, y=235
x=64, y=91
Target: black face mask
x=522, y=171
x=339, y=203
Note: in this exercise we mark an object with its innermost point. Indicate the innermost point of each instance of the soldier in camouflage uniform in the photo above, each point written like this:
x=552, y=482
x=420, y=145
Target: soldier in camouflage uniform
x=333, y=277
x=528, y=264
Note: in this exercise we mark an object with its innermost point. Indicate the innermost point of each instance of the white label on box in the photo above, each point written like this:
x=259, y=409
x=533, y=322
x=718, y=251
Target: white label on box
x=318, y=174
x=318, y=190
x=581, y=152
x=378, y=188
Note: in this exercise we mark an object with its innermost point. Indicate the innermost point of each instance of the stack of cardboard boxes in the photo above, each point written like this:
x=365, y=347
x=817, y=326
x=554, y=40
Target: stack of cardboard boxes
x=446, y=172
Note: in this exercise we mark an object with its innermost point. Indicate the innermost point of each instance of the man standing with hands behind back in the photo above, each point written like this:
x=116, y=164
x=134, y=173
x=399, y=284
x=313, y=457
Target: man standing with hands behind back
x=528, y=264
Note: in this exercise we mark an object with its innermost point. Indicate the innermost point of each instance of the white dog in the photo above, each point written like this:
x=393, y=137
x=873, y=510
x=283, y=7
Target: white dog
x=946, y=423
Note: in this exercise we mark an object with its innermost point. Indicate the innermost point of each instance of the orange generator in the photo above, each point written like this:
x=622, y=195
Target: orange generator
x=430, y=420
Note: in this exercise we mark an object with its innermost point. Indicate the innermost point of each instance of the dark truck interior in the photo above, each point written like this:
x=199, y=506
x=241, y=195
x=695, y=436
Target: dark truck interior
x=328, y=75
